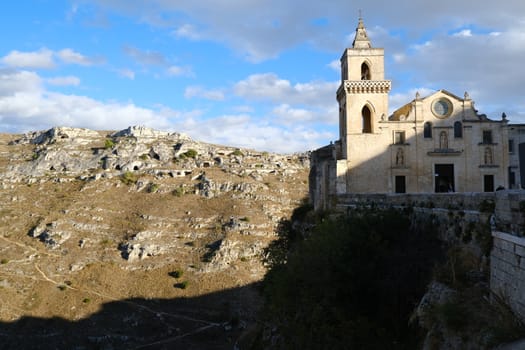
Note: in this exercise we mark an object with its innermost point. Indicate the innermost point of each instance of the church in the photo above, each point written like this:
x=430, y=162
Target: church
x=436, y=143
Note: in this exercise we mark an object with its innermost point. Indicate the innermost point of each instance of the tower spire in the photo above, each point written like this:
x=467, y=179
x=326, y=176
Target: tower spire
x=361, y=40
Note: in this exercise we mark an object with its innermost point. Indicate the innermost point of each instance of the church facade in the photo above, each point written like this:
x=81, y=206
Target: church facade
x=436, y=143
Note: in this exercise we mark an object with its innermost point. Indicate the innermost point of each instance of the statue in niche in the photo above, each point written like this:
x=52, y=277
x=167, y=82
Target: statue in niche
x=443, y=140
x=400, y=157
x=488, y=156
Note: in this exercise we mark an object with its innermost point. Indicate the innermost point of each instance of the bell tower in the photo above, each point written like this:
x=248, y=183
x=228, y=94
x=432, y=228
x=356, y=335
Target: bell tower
x=363, y=93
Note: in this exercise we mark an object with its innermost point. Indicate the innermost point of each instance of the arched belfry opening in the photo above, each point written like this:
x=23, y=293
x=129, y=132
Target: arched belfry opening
x=366, y=116
x=365, y=72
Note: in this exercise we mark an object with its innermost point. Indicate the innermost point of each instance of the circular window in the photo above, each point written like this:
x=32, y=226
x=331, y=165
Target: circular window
x=442, y=108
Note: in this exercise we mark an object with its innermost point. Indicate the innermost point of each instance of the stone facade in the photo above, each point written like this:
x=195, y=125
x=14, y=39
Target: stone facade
x=437, y=143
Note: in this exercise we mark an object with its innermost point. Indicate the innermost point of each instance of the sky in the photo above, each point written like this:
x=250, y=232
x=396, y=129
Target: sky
x=259, y=74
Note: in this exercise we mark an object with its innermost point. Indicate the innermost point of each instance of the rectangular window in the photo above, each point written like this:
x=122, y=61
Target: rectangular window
x=488, y=183
x=511, y=146
x=512, y=179
x=400, y=184
x=399, y=137
x=487, y=136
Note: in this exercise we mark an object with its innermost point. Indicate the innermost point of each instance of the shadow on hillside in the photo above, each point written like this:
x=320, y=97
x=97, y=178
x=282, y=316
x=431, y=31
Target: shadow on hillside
x=211, y=321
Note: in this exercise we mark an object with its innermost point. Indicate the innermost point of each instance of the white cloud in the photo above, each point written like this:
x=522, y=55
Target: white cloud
x=200, y=92
x=335, y=65
x=291, y=115
x=464, y=33
x=243, y=109
x=399, y=57
x=244, y=131
x=42, y=58
x=72, y=57
x=187, y=31
x=64, y=81
x=13, y=82
x=26, y=105
x=269, y=86
x=179, y=71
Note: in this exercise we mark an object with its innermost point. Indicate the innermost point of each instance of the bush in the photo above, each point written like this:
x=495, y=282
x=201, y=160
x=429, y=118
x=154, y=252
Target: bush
x=237, y=153
x=128, y=178
x=191, y=153
x=4, y=261
x=109, y=143
x=176, y=274
x=153, y=187
x=182, y=285
x=179, y=191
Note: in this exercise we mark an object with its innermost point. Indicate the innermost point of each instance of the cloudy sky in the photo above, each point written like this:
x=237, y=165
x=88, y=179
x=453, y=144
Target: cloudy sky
x=251, y=73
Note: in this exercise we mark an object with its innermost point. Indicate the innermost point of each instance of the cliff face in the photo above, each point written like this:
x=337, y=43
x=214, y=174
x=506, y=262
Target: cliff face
x=89, y=218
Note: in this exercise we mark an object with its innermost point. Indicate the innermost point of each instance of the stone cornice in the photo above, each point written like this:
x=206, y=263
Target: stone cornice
x=365, y=86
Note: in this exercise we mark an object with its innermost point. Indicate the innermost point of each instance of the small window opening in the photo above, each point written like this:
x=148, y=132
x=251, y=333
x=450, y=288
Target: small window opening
x=367, y=120
x=458, y=130
x=365, y=72
x=427, y=130
x=487, y=136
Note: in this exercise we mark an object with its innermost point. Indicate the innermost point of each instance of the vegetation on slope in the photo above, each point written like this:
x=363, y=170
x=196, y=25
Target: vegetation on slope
x=353, y=282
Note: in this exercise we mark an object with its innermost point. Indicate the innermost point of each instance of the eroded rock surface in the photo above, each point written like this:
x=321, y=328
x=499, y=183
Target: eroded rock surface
x=91, y=217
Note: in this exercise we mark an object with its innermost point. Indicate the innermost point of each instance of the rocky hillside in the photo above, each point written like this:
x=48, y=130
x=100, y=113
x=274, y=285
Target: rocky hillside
x=136, y=238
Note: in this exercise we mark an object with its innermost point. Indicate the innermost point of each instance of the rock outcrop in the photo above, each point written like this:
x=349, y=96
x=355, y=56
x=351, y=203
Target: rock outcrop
x=91, y=217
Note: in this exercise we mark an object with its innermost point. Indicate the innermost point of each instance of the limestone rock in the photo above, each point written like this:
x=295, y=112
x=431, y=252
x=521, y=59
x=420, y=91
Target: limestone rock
x=137, y=251
x=143, y=133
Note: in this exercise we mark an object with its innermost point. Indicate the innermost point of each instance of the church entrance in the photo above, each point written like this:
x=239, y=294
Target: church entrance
x=444, y=178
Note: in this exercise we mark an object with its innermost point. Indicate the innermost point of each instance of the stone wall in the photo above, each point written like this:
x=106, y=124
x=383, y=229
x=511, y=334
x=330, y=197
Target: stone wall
x=507, y=272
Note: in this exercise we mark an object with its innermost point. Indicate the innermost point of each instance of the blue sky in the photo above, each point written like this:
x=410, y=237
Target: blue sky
x=248, y=73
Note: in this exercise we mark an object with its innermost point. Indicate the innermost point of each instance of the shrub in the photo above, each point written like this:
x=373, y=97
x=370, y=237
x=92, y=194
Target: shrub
x=62, y=287
x=191, y=153
x=86, y=300
x=182, y=285
x=153, y=187
x=176, y=273
x=238, y=153
x=109, y=143
x=144, y=156
x=179, y=191
x=128, y=178
x=4, y=261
